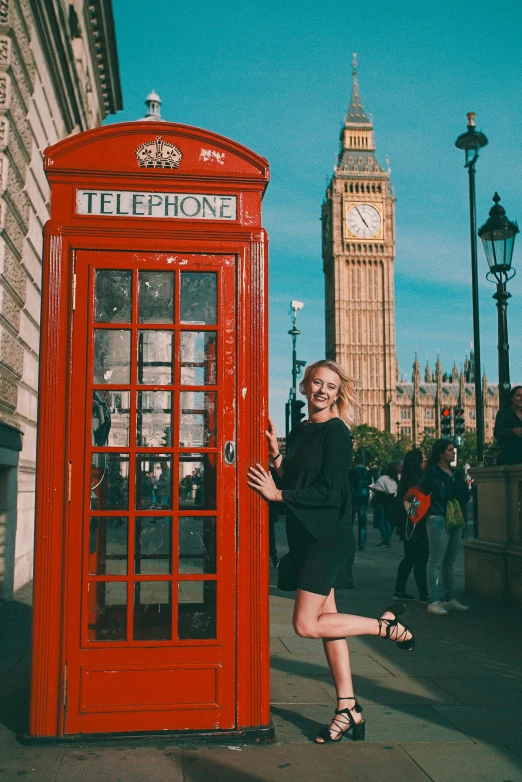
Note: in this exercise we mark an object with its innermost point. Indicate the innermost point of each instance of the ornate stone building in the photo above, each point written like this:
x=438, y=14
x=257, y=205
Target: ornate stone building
x=358, y=230
x=58, y=75
x=418, y=402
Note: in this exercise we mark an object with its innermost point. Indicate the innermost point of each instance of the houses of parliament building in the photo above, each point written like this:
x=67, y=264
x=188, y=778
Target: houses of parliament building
x=358, y=239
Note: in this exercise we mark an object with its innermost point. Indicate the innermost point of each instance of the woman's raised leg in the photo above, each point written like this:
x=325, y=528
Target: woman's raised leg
x=311, y=621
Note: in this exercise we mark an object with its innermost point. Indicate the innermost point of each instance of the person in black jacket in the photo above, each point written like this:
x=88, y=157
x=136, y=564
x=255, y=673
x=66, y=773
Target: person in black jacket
x=414, y=538
x=445, y=484
x=508, y=428
x=316, y=491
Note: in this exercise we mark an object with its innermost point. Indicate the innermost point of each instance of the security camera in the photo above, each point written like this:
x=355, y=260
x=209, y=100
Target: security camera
x=297, y=305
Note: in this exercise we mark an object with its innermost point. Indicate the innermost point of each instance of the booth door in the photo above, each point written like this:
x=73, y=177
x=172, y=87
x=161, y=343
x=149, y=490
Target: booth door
x=151, y=527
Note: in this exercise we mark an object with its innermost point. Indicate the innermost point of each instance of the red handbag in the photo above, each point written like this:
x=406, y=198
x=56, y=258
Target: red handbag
x=416, y=504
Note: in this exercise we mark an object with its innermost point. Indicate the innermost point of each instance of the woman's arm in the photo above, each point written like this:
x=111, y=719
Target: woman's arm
x=274, y=455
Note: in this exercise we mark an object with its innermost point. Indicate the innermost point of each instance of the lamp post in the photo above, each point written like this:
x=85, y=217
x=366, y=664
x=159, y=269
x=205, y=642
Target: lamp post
x=297, y=365
x=471, y=142
x=498, y=237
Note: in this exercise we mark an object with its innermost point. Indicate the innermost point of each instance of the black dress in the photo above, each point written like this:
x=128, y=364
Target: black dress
x=316, y=491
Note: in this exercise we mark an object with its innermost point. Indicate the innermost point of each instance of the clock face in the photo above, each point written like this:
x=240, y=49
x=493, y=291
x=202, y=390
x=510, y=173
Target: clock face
x=363, y=220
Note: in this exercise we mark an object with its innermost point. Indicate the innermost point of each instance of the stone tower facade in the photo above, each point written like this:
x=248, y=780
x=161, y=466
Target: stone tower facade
x=358, y=228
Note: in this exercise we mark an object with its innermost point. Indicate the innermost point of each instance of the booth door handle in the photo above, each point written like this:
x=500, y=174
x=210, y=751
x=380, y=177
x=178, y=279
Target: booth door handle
x=230, y=452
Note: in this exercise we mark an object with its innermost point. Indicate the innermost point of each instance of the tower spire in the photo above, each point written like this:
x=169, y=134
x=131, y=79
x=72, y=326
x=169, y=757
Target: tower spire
x=356, y=114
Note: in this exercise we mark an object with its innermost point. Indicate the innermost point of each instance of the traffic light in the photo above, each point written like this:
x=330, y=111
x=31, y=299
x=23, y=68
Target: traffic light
x=460, y=424
x=445, y=423
x=296, y=414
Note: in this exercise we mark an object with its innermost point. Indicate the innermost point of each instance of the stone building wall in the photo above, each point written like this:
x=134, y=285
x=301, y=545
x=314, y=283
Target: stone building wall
x=58, y=75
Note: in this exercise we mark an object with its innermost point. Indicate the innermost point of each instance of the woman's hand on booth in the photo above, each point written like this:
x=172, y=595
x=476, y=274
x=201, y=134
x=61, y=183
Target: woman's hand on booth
x=271, y=436
x=518, y=431
x=262, y=482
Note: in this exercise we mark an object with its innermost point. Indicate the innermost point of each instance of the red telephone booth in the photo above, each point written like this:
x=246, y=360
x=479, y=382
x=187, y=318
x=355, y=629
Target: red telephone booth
x=151, y=574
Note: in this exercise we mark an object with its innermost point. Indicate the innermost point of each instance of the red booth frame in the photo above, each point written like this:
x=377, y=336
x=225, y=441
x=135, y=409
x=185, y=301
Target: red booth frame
x=66, y=232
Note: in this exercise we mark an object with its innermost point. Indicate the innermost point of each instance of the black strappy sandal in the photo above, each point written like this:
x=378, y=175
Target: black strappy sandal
x=407, y=644
x=357, y=728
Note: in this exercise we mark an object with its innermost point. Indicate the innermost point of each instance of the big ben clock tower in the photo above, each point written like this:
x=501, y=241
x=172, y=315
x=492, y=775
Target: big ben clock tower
x=358, y=251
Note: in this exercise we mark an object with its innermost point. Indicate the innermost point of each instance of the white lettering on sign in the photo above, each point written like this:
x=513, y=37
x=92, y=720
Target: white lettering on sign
x=125, y=203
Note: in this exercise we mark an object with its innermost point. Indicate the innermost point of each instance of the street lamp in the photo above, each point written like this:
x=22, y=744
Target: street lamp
x=471, y=142
x=498, y=237
x=297, y=366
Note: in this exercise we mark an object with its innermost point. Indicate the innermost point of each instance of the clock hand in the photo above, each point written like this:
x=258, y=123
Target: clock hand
x=362, y=218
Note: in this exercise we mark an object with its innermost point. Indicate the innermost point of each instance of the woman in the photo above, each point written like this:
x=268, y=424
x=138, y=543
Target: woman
x=445, y=485
x=316, y=491
x=508, y=428
x=415, y=539
x=384, y=491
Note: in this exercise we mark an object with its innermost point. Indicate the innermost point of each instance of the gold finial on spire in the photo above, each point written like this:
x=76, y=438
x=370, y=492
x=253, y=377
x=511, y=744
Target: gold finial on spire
x=471, y=119
x=354, y=63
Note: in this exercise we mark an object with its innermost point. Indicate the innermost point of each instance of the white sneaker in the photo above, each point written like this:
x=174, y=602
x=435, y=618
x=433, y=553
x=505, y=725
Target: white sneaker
x=437, y=608
x=454, y=605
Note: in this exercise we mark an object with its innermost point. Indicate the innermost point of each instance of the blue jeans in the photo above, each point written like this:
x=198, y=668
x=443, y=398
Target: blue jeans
x=380, y=517
x=360, y=512
x=444, y=547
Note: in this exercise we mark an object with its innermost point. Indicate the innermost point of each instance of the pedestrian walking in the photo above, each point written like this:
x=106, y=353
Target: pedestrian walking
x=508, y=428
x=360, y=479
x=384, y=490
x=444, y=523
x=316, y=491
x=414, y=537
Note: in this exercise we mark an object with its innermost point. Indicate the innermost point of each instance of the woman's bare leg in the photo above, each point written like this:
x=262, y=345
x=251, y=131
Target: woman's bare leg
x=338, y=657
x=311, y=621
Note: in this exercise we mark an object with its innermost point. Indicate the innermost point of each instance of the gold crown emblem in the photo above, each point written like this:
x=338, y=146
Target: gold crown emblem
x=158, y=154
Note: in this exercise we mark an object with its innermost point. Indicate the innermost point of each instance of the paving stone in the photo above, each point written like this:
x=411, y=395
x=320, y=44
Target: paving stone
x=300, y=722
x=298, y=689
x=316, y=665
x=476, y=692
x=297, y=645
x=111, y=764
x=396, y=691
x=276, y=645
x=294, y=763
x=497, y=724
x=455, y=762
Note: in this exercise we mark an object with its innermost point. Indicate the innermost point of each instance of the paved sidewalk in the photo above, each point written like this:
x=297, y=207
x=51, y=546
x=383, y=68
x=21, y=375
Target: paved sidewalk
x=450, y=711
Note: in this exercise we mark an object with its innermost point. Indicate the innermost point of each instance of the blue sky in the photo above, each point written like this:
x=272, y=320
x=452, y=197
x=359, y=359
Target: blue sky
x=276, y=76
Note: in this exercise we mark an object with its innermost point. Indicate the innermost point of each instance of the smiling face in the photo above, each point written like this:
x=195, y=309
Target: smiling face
x=322, y=389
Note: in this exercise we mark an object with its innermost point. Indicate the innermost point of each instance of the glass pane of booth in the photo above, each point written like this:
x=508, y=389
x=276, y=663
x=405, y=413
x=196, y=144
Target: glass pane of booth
x=155, y=357
x=112, y=353
x=152, y=611
x=197, y=419
x=197, y=609
x=197, y=481
x=112, y=296
x=110, y=418
x=197, y=544
x=153, y=481
x=154, y=419
x=156, y=297
x=109, y=481
x=199, y=298
x=198, y=358
x=108, y=546
x=153, y=545
x=107, y=611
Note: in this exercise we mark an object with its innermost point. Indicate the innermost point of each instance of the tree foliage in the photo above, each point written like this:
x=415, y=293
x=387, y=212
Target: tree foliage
x=378, y=449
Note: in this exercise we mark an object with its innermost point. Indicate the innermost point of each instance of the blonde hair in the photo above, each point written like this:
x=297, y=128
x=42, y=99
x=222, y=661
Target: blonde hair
x=346, y=406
